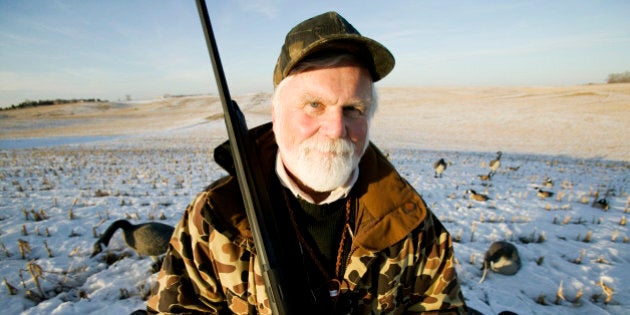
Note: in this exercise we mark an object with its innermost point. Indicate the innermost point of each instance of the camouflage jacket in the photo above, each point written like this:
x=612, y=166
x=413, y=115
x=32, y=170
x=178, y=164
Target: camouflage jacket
x=401, y=259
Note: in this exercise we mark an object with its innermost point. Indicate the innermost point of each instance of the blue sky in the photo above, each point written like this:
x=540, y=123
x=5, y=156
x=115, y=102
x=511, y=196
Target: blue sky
x=148, y=48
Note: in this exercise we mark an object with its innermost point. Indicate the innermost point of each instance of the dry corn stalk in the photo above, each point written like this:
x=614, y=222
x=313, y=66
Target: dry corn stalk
x=36, y=272
x=5, y=250
x=578, y=296
x=458, y=237
x=606, y=290
x=579, y=259
x=12, y=290
x=50, y=253
x=559, y=294
x=567, y=219
x=24, y=247
x=124, y=294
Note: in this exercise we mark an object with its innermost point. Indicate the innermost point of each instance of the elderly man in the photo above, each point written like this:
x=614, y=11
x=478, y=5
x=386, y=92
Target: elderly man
x=349, y=218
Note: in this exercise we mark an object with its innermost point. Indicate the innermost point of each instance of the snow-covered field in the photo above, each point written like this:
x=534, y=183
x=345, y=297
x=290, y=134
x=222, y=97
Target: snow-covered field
x=59, y=192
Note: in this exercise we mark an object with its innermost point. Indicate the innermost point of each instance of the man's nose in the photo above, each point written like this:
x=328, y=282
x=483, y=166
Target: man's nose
x=334, y=124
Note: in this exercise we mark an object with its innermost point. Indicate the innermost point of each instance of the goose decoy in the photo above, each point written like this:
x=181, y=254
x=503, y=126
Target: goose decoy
x=476, y=196
x=496, y=163
x=543, y=193
x=485, y=177
x=149, y=238
x=439, y=167
x=514, y=168
x=502, y=257
x=599, y=203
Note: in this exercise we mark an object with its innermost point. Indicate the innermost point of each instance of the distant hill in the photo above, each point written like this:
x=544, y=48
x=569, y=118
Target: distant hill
x=581, y=121
x=38, y=103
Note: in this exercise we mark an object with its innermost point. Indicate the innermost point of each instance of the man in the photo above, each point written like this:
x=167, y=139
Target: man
x=363, y=240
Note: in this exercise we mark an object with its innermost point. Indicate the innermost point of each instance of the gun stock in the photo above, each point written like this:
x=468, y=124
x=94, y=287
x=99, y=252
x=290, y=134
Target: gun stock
x=253, y=188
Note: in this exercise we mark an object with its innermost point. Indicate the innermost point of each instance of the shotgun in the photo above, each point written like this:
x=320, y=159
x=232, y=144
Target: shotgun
x=267, y=239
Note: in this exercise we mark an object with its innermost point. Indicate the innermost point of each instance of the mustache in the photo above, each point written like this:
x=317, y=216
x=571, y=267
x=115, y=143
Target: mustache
x=333, y=146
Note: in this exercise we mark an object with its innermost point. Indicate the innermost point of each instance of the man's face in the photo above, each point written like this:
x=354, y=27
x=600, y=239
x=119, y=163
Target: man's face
x=321, y=122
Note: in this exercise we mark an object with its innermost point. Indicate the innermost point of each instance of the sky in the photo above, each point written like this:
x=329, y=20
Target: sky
x=142, y=49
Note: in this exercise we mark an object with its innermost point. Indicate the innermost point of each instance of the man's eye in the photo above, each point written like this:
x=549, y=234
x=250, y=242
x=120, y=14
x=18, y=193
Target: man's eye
x=354, y=111
x=314, y=105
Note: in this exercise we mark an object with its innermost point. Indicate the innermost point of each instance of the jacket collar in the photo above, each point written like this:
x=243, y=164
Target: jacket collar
x=389, y=207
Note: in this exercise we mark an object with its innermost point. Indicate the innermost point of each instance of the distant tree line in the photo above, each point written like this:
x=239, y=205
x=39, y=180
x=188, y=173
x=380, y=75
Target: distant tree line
x=28, y=103
x=619, y=77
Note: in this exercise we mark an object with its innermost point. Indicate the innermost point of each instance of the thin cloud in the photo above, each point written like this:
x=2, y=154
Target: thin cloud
x=268, y=8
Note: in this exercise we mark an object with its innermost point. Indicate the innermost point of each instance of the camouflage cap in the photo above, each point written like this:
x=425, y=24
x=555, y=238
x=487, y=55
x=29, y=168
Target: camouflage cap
x=331, y=32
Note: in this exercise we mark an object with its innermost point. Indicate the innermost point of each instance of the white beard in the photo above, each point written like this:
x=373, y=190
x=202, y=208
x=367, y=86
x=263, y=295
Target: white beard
x=323, y=172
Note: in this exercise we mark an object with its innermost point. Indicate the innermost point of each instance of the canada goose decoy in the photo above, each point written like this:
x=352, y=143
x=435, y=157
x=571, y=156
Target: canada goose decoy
x=149, y=238
x=496, y=163
x=485, y=177
x=599, y=203
x=502, y=257
x=514, y=168
x=476, y=196
x=439, y=167
x=543, y=193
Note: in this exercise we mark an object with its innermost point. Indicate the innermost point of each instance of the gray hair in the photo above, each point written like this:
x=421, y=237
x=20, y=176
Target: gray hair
x=323, y=61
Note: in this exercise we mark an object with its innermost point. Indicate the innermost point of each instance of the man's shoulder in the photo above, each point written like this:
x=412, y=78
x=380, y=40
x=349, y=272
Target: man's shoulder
x=223, y=192
x=222, y=185
x=220, y=205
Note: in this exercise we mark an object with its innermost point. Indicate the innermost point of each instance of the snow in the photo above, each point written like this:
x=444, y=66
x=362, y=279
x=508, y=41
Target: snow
x=78, y=186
